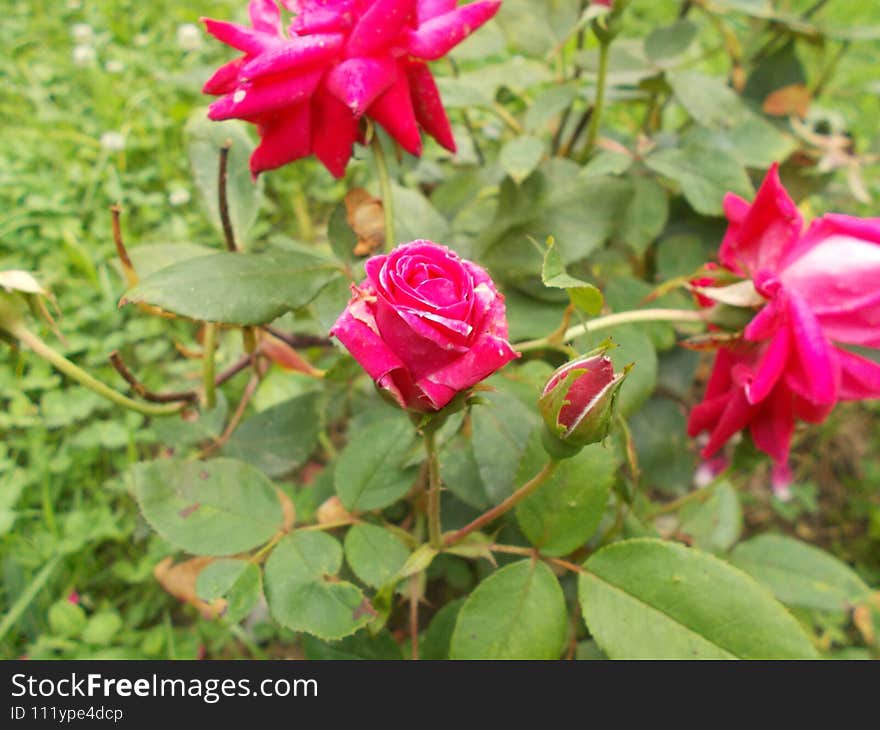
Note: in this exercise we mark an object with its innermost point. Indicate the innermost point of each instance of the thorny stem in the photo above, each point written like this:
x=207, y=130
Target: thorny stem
x=596, y=117
x=223, y=201
x=508, y=504
x=35, y=343
x=385, y=185
x=435, y=531
x=619, y=318
x=208, y=364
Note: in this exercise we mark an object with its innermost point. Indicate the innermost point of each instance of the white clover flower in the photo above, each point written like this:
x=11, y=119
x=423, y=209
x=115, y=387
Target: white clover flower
x=83, y=55
x=114, y=67
x=189, y=37
x=113, y=141
x=141, y=40
x=178, y=197
x=74, y=4
x=82, y=33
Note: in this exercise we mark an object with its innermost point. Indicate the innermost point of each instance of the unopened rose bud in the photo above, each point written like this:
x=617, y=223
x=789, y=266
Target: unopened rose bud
x=577, y=404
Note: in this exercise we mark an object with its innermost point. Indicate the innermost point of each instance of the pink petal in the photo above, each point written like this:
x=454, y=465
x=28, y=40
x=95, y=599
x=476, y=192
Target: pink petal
x=436, y=37
x=334, y=131
x=225, y=78
x=811, y=412
x=379, y=26
x=772, y=427
x=394, y=111
x=484, y=357
x=285, y=137
x=427, y=9
x=265, y=16
x=244, y=39
x=736, y=416
x=705, y=415
x=812, y=373
x=293, y=55
x=428, y=105
x=358, y=82
x=859, y=377
x=257, y=100
x=771, y=367
x=760, y=239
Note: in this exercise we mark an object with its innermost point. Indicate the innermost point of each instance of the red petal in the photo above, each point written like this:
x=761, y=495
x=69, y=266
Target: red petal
x=285, y=137
x=379, y=26
x=358, y=82
x=271, y=94
x=436, y=37
x=394, y=111
x=293, y=54
x=428, y=105
x=334, y=130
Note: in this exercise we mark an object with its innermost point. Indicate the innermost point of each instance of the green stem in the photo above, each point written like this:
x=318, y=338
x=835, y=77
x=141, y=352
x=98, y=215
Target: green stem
x=593, y=132
x=508, y=504
x=209, y=351
x=698, y=495
x=385, y=184
x=23, y=334
x=435, y=530
x=25, y=597
x=614, y=320
x=301, y=213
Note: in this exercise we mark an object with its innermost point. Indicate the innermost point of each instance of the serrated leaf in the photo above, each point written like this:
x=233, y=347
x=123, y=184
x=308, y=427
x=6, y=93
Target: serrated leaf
x=664, y=45
x=708, y=99
x=583, y=295
x=279, y=439
x=235, y=288
x=800, y=574
x=303, y=594
x=518, y=612
x=238, y=582
x=374, y=554
x=520, y=157
x=649, y=599
x=217, y=507
x=566, y=510
x=370, y=472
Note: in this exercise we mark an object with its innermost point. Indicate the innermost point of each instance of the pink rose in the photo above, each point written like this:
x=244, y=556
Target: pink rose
x=425, y=325
x=822, y=290
x=306, y=89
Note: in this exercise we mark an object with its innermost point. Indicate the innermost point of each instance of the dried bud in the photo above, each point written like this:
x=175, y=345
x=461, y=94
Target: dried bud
x=577, y=404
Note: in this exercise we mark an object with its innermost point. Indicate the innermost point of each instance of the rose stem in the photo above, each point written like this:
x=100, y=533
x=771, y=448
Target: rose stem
x=595, y=118
x=208, y=364
x=435, y=532
x=23, y=334
x=385, y=184
x=508, y=504
x=613, y=320
x=222, y=200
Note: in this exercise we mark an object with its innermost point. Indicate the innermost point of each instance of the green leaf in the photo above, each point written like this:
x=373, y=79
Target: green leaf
x=501, y=431
x=716, y=524
x=204, y=140
x=279, y=439
x=217, y=507
x=301, y=594
x=646, y=216
x=800, y=574
x=434, y=644
x=236, y=288
x=518, y=612
x=708, y=99
x=566, y=510
x=648, y=599
x=153, y=257
x=659, y=429
x=374, y=554
x=370, y=472
x=549, y=103
x=664, y=45
x=238, y=581
x=66, y=619
x=583, y=295
x=705, y=175
x=520, y=157
x=415, y=217
x=361, y=645
x=340, y=235
x=102, y=627
x=460, y=472
x=633, y=347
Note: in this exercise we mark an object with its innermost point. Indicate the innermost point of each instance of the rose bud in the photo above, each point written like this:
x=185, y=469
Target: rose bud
x=426, y=325
x=577, y=404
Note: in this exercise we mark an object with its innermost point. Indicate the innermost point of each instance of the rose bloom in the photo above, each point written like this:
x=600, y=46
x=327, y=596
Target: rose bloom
x=340, y=60
x=425, y=325
x=822, y=293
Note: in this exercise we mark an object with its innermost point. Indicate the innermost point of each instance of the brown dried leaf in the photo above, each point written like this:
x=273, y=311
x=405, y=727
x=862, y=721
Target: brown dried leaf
x=366, y=217
x=285, y=356
x=332, y=512
x=180, y=581
x=793, y=99
x=287, y=509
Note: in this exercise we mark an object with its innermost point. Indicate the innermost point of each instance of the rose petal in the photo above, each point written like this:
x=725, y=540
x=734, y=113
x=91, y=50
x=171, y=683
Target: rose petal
x=265, y=16
x=394, y=111
x=771, y=367
x=334, y=130
x=358, y=82
x=859, y=377
x=436, y=37
x=762, y=237
x=244, y=39
x=260, y=99
x=812, y=372
x=284, y=138
x=225, y=78
x=772, y=427
x=378, y=26
x=428, y=105
x=293, y=54
x=427, y=9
